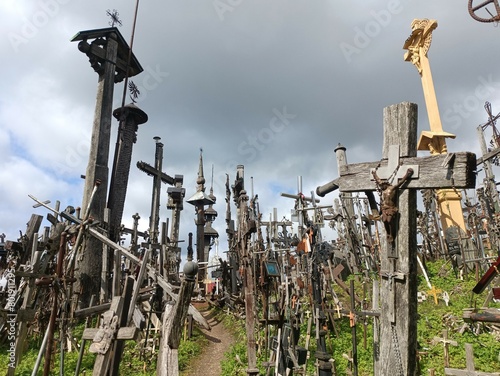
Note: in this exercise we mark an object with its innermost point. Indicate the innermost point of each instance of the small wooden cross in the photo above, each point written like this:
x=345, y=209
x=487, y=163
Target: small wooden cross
x=446, y=342
x=391, y=277
x=471, y=368
x=108, y=338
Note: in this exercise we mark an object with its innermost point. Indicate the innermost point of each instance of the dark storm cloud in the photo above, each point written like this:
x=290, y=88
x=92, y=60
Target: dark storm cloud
x=271, y=85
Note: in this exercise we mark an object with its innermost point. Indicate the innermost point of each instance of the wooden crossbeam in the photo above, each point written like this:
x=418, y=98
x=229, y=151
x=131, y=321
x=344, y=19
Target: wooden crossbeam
x=459, y=173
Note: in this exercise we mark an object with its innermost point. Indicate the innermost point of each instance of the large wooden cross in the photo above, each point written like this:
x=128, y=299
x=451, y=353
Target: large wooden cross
x=396, y=349
x=158, y=177
x=108, y=53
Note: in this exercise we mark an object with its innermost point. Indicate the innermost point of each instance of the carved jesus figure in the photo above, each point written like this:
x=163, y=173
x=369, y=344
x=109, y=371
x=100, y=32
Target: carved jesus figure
x=388, y=202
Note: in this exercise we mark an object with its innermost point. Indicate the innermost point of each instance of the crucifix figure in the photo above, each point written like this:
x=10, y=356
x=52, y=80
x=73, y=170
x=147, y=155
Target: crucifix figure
x=388, y=204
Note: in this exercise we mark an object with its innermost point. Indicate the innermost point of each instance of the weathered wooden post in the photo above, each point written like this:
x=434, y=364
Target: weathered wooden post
x=173, y=319
x=108, y=56
x=245, y=229
x=396, y=352
x=209, y=233
x=55, y=304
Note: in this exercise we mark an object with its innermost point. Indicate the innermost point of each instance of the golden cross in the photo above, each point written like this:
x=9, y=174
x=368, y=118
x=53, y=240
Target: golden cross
x=418, y=44
x=434, y=291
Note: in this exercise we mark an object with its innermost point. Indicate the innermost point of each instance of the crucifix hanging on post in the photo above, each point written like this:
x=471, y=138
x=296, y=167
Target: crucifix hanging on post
x=388, y=180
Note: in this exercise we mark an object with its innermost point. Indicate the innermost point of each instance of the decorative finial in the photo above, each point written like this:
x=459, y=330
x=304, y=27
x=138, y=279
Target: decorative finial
x=114, y=17
x=134, y=91
x=190, y=267
x=201, y=179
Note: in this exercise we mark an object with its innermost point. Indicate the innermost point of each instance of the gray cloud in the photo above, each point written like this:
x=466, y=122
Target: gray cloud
x=217, y=81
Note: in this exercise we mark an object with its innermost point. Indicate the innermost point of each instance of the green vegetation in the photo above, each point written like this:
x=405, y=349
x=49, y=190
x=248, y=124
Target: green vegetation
x=433, y=319
x=132, y=364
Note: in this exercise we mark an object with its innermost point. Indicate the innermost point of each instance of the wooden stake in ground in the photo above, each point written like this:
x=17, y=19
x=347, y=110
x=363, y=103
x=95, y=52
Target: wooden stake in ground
x=396, y=352
x=173, y=320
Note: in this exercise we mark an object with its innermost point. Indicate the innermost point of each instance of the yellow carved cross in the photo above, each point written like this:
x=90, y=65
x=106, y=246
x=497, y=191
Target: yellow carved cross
x=434, y=292
x=417, y=44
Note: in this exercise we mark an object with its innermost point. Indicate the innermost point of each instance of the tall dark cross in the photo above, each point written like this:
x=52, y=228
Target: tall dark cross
x=129, y=117
x=158, y=177
x=395, y=352
x=107, y=51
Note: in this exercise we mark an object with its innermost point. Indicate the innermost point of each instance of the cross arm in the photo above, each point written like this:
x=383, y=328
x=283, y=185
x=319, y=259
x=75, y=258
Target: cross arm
x=150, y=170
x=490, y=274
x=436, y=171
x=488, y=156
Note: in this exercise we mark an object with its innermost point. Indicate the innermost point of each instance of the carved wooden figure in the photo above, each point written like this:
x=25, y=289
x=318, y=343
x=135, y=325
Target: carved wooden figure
x=388, y=204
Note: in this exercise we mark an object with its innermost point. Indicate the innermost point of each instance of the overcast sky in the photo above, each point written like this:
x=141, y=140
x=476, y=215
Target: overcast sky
x=273, y=85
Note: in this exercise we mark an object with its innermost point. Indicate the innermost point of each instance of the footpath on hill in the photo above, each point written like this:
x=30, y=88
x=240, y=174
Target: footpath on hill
x=208, y=363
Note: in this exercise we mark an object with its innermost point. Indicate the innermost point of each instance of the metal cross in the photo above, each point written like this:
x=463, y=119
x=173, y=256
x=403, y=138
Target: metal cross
x=494, y=17
x=114, y=17
x=492, y=120
x=134, y=91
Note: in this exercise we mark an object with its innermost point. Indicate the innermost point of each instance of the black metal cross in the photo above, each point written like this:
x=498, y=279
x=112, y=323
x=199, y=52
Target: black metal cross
x=134, y=91
x=114, y=17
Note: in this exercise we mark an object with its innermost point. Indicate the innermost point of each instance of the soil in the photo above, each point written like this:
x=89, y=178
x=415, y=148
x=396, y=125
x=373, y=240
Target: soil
x=208, y=363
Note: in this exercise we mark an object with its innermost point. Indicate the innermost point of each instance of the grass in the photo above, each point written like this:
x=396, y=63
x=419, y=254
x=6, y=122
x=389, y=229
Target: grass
x=433, y=319
x=131, y=363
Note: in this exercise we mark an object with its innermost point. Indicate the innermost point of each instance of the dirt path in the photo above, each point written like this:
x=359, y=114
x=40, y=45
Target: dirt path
x=208, y=362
